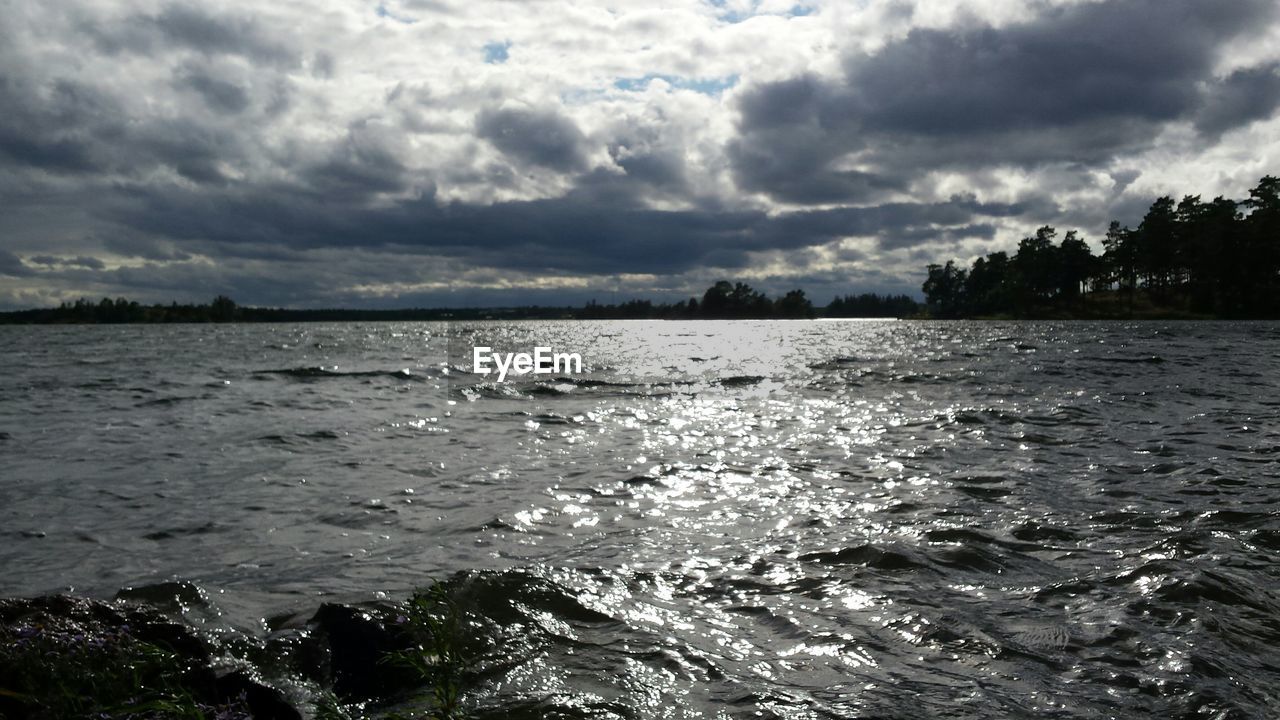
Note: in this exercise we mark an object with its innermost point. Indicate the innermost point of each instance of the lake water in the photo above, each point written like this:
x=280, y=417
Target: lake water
x=716, y=519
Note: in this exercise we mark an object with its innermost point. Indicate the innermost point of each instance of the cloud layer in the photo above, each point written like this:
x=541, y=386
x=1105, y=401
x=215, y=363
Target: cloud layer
x=453, y=153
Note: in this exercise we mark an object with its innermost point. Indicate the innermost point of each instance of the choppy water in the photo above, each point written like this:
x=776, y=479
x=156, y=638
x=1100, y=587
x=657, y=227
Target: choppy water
x=776, y=519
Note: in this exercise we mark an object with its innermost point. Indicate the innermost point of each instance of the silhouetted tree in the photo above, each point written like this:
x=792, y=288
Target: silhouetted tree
x=1158, y=244
x=222, y=309
x=944, y=290
x=987, y=287
x=1036, y=266
x=1219, y=257
x=793, y=305
x=871, y=305
x=734, y=300
x=1261, y=234
x=1075, y=266
x=1120, y=258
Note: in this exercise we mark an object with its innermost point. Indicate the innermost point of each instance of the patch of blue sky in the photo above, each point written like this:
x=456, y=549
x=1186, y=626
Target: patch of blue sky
x=496, y=53
x=728, y=14
x=383, y=12
x=706, y=86
x=737, y=15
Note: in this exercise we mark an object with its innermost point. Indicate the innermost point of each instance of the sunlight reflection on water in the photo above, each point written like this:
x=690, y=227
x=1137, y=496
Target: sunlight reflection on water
x=734, y=519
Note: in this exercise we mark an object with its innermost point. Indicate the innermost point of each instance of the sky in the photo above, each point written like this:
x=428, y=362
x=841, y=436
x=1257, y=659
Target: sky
x=480, y=152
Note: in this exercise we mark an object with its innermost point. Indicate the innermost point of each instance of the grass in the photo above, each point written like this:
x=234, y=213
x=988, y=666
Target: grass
x=437, y=656
x=55, y=669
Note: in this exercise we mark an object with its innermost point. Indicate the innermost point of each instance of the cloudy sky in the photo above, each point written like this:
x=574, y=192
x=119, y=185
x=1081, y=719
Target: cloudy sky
x=436, y=152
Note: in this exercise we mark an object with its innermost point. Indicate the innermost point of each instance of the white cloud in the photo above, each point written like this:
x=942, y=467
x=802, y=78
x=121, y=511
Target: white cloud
x=126, y=105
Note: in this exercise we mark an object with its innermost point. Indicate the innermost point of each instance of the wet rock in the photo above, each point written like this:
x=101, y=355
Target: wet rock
x=89, y=618
x=167, y=596
x=55, y=640
x=866, y=555
x=359, y=640
x=48, y=638
x=264, y=702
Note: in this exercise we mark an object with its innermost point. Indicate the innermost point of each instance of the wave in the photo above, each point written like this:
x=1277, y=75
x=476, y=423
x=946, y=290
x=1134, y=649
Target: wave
x=321, y=372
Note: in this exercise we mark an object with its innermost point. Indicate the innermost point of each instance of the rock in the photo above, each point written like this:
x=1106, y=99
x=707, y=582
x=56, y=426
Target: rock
x=360, y=640
x=93, y=617
x=264, y=702
x=92, y=628
x=172, y=597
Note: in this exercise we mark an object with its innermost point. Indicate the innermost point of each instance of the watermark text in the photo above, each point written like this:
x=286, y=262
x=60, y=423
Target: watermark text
x=542, y=361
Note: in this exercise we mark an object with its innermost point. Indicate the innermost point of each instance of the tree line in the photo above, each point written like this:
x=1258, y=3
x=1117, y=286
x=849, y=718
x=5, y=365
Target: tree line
x=1218, y=258
x=724, y=300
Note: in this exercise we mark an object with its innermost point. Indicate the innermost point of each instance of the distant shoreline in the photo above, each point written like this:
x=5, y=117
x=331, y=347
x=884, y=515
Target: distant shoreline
x=260, y=316
x=1094, y=306
x=722, y=301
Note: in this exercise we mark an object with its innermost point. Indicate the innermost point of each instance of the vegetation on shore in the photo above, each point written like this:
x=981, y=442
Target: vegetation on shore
x=63, y=657
x=51, y=674
x=69, y=658
x=1186, y=259
x=724, y=300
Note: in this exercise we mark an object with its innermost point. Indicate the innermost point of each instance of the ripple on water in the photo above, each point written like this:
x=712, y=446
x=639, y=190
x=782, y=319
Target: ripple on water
x=716, y=519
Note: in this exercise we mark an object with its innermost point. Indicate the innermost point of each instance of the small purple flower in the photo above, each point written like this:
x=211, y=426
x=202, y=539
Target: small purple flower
x=401, y=619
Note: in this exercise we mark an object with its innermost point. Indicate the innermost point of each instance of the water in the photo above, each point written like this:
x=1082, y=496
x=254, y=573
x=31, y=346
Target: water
x=775, y=519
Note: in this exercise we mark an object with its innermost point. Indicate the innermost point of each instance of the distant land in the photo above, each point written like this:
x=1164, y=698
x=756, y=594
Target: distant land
x=722, y=301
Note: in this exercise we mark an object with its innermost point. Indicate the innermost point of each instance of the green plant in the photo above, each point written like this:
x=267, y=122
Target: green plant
x=328, y=707
x=62, y=670
x=433, y=621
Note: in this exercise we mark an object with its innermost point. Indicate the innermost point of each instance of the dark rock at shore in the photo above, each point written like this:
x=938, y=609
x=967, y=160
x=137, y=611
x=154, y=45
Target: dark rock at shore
x=359, y=640
x=264, y=701
x=87, y=629
x=170, y=597
x=92, y=618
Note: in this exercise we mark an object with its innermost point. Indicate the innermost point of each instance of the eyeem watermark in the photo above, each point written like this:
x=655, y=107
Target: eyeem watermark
x=543, y=361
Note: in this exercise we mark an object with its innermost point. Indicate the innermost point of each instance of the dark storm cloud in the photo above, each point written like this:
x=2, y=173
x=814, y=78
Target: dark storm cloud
x=56, y=124
x=83, y=261
x=218, y=95
x=65, y=127
x=145, y=248
x=922, y=221
x=186, y=27
x=194, y=150
x=534, y=136
x=563, y=234
x=788, y=146
x=193, y=171
x=44, y=127
x=364, y=163
x=1242, y=97
x=12, y=265
x=657, y=169
x=1077, y=84
x=581, y=232
x=913, y=236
